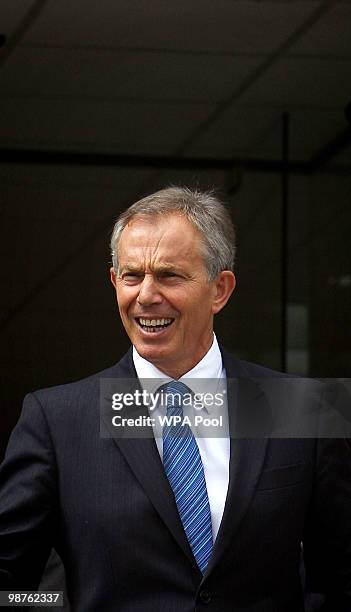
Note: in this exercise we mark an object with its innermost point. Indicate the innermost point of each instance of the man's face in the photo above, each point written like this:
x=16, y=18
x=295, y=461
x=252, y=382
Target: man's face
x=165, y=300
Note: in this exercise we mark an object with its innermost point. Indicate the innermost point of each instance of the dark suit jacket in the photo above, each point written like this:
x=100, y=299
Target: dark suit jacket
x=107, y=508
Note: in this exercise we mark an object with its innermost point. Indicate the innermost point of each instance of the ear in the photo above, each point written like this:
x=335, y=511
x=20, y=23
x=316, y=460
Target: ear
x=113, y=277
x=224, y=286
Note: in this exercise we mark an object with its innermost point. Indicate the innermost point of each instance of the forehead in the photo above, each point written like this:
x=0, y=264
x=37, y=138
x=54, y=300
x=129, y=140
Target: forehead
x=170, y=237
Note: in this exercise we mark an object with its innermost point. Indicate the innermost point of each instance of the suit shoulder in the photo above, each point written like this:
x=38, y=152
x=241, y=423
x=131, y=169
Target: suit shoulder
x=81, y=390
x=242, y=368
x=77, y=401
x=257, y=370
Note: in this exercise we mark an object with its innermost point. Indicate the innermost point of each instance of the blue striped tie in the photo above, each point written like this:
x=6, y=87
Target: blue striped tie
x=185, y=472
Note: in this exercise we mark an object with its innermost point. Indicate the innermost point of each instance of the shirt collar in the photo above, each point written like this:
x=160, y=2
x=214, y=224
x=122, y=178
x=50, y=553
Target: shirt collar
x=209, y=367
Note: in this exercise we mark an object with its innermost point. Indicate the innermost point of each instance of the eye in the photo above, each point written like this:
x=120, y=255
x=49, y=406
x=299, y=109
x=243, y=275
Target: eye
x=169, y=274
x=131, y=278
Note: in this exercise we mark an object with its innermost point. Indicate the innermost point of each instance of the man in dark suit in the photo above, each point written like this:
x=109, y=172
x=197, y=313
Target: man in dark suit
x=173, y=521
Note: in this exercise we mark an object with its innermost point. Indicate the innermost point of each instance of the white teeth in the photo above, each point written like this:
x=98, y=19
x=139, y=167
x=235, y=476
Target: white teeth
x=154, y=322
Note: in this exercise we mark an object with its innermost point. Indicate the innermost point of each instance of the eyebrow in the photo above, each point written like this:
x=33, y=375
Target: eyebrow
x=158, y=269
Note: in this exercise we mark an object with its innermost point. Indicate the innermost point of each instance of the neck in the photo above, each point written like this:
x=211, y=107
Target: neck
x=176, y=371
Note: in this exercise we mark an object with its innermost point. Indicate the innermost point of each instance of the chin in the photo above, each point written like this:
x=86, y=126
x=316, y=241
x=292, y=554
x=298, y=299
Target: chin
x=157, y=358
x=148, y=352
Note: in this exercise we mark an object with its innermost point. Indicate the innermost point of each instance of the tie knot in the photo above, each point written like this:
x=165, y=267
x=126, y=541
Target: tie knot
x=176, y=393
x=176, y=386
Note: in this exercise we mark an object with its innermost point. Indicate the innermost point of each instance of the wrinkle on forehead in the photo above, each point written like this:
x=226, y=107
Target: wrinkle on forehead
x=152, y=243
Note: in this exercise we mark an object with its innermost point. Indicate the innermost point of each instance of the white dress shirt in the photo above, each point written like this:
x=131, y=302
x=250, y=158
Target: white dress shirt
x=214, y=451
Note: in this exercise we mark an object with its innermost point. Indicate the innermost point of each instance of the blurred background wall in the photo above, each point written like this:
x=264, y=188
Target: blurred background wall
x=103, y=102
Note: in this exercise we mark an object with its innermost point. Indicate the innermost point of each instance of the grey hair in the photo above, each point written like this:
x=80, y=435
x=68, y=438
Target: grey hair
x=203, y=209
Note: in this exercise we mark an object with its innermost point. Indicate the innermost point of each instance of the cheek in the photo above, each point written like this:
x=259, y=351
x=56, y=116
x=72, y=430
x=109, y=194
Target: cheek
x=125, y=298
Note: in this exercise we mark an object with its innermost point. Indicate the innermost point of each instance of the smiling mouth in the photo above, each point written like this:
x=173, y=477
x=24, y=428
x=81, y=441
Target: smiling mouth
x=154, y=325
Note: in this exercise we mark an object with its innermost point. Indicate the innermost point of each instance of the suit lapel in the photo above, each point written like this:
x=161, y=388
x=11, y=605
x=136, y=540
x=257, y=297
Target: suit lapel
x=144, y=460
x=246, y=454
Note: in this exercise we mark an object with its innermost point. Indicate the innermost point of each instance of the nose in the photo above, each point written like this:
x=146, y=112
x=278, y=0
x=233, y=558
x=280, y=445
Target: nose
x=149, y=291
